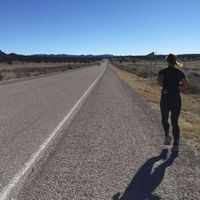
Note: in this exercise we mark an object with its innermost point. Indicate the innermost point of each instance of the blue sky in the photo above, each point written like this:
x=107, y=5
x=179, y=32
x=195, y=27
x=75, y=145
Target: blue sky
x=117, y=27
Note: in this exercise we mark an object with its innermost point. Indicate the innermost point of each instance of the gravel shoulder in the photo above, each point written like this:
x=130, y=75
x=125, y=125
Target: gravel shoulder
x=113, y=150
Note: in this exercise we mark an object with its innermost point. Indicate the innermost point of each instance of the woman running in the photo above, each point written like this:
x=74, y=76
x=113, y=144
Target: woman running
x=172, y=81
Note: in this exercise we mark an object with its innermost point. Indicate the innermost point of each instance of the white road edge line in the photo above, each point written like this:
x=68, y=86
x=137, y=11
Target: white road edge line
x=16, y=179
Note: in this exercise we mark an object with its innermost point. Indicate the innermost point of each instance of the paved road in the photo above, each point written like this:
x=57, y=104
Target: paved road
x=113, y=150
x=30, y=111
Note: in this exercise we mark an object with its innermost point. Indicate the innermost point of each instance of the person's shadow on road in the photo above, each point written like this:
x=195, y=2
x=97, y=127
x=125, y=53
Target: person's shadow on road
x=145, y=181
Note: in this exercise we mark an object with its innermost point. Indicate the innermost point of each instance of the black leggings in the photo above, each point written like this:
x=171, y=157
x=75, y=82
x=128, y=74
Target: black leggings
x=171, y=104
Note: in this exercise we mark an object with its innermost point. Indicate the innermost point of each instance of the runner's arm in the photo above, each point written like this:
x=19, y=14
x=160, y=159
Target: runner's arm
x=160, y=80
x=183, y=84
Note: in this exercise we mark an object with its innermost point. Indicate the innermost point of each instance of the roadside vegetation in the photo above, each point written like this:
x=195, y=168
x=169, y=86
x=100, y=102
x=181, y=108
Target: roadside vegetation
x=141, y=75
x=21, y=69
x=14, y=66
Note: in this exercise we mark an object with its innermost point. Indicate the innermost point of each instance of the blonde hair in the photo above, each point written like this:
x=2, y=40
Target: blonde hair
x=172, y=59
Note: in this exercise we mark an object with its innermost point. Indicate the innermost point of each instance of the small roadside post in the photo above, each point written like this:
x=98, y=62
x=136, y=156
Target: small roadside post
x=151, y=56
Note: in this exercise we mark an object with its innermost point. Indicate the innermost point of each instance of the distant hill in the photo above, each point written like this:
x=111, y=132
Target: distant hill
x=82, y=58
x=50, y=57
x=74, y=56
x=2, y=53
x=151, y=54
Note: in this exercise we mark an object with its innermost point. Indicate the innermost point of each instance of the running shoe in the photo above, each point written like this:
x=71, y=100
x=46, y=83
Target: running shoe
x=175, y=148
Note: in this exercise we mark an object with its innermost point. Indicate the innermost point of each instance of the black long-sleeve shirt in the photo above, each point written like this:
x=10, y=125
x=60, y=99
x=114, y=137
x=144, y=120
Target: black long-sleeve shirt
x=171, y=78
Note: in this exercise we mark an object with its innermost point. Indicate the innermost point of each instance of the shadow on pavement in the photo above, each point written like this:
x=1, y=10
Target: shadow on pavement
x=145, y=181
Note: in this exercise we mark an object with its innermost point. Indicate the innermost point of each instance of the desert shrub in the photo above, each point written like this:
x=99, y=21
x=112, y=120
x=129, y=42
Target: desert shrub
x=70, y=67
x=19, y=75
x=26, y=74
x=194, y=80
x=10, y=62
x=133, y=69
x=193, y=89
x=143, y=74
x=1, y=77
x=9, y=75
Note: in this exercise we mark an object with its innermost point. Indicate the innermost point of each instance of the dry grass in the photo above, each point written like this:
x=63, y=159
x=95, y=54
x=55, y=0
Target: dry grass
x=25, y=69
x=146, y=68
x=23, y=64
x=190, y=114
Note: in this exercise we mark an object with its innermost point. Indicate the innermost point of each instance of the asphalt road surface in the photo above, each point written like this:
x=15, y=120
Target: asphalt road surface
x=30, y=111
x=112, y=149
